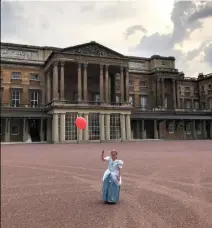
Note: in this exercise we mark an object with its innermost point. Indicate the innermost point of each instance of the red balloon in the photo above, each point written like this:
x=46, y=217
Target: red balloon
x=80, y=123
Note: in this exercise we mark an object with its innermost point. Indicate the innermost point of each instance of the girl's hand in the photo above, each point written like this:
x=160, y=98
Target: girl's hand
x=103, y=152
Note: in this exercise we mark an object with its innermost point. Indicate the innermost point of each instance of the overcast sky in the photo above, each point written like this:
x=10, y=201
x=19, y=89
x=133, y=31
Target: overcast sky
x=145, y=27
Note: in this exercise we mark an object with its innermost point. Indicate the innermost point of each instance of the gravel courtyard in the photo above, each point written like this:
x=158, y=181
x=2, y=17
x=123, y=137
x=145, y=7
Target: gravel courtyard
x=166, y=184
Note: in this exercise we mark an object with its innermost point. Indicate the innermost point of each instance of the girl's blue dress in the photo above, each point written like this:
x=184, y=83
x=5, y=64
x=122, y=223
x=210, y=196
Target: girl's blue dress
x=111, y=186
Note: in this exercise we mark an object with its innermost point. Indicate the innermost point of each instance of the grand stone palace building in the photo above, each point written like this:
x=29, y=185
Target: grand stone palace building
x=44, y=89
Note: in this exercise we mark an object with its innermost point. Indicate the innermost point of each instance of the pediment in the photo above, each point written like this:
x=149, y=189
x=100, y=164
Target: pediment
x=93, y=49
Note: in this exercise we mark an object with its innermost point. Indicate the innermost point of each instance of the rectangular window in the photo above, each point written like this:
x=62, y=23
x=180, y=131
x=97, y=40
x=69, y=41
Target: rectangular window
x=117, y=99
x=75, y=96
x=188, y=104
x=196, y=105
x=16, y=75
x=96, y=98
x=34, y=98
x=199, y=129
x=188, y=128
x=210, y=103
x=143, y=84
x=34, y=77
x=187, y=89
x=131, y=100
x=130, y=83
x=143, y=102
x=166, y=102
x=14, y=129
x=15, y=98
x=171, y=127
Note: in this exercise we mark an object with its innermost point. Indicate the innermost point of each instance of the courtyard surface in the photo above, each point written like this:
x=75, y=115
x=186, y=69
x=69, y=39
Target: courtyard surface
x=166, y=184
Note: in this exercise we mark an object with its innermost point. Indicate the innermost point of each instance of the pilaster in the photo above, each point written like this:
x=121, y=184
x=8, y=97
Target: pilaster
x=55, y=132
x=102, y=127
x=62, y=127
x=123, y=128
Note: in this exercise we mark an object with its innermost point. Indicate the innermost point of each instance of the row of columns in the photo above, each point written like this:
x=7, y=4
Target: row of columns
x=104, y=120
x=160, y=87
x=83, y=90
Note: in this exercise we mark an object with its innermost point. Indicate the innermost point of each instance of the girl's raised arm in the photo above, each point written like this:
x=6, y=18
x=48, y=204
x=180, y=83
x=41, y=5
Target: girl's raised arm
x=102, y=156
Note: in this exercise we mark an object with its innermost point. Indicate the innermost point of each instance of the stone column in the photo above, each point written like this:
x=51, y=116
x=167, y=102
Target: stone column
x=174, y=94
x=85, y=83
x=55, y=81
x=102, y=126
x=211, y=129
x=41, y=130
x=62, y=126
x=79, y=132
x=194, y=129
x=107, y=128
x=155, y=130
x=184, y=130
x=62, y=81
x=106, y=84
x=137, y=129
x=204, y=129
x=79, y=83
x=157, y=92
x=48, y=88
x=128, y=126
x=143, y=129
x=122, y=84
x=7, y=130
x=25, y=130
x=123, y=128
x=127, y=84
x=49, y=129
x=162, y=91
x=55, y=132
x=86, y=130
x=101, y=86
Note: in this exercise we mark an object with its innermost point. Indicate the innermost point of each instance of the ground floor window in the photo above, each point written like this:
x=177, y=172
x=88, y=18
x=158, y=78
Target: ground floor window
x=94, y=126
x=115, y=126
x=188, y=128
x=70, y=128
x=199, y=128
x=171, y=127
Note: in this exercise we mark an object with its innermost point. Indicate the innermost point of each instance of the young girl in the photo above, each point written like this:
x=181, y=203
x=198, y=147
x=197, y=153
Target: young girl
x=112, y=178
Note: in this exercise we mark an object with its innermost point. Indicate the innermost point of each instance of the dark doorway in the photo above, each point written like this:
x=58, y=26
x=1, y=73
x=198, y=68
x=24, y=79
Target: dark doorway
x=149, y=126
x=34, y=129
x=207, y=129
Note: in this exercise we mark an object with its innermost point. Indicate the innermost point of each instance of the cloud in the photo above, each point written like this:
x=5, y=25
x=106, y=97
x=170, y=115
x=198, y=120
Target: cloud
x=204, y=11
x=167, y=29
x=131, y=30
x=208, y=54
x=185, y=17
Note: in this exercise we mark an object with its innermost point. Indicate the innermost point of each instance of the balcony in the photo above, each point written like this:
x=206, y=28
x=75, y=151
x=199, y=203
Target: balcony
x=170, y=110
x=164, y=69
x=23, y=106
x=88, y=104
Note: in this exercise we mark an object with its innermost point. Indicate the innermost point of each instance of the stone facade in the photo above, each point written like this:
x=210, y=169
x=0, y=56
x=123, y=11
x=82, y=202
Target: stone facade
x=44, y=89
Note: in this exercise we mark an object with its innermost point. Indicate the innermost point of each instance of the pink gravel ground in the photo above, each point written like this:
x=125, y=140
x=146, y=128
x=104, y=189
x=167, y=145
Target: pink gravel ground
x=165, y=184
